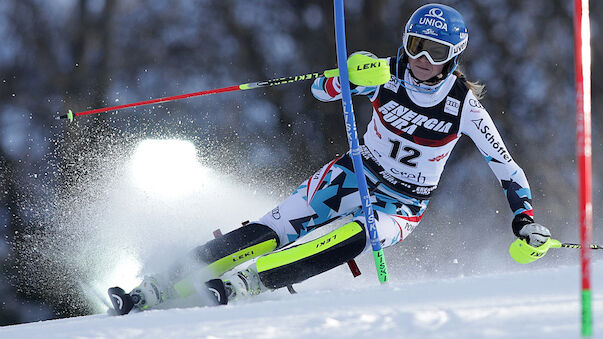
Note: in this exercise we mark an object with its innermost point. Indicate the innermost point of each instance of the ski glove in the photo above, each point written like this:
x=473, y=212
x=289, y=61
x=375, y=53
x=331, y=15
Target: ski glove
x=525, y=228
x=365, y=69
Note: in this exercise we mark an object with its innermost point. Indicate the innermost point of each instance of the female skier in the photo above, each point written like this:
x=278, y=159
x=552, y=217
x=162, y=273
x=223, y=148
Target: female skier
x=417, y=118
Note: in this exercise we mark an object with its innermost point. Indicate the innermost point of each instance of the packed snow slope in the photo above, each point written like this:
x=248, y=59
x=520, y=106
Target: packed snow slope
x=525, y=304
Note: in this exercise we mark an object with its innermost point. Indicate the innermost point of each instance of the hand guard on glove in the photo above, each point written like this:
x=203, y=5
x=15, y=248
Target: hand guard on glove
x=525, y=228
x=364, y=69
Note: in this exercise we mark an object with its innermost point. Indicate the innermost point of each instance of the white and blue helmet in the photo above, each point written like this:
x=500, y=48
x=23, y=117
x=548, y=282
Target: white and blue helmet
x=437, y=32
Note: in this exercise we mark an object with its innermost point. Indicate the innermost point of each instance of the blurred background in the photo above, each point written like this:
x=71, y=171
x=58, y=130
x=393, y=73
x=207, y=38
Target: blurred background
x=67, y=209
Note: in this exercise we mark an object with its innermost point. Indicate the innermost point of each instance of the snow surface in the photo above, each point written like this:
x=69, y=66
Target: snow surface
x=527, y=304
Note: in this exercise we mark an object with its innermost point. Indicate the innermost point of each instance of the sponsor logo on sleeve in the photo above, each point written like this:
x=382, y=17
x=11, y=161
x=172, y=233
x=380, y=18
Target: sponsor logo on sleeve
x=476, y=106
x=492, y=140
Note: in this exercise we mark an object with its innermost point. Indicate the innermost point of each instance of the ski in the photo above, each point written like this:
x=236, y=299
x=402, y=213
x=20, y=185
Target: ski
x=123, y=303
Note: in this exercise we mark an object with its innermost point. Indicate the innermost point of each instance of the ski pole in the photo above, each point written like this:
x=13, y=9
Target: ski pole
x=352, y=133
x=251, y=85
x=364, y=71
x=577, y=246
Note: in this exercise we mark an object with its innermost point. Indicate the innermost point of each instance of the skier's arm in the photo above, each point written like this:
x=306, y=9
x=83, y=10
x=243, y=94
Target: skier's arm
x=478, y=125
x=329, y=89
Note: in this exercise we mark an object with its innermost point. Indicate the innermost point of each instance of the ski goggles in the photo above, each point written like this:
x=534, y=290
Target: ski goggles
x=437, y=52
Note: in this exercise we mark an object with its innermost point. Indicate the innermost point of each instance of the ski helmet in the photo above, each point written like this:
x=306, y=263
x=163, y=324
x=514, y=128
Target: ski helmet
x=436, y=31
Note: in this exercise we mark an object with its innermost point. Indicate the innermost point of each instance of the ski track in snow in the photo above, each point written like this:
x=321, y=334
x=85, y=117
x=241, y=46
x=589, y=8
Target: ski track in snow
x=537, y=303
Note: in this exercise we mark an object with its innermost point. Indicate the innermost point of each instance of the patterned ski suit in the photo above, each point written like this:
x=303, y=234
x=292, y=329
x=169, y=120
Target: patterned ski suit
x=407, y=143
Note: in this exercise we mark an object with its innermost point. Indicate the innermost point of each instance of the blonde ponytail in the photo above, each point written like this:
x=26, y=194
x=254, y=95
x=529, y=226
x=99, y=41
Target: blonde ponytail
x=478, y=89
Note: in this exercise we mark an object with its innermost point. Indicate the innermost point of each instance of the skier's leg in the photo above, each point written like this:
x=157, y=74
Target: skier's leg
x=395, y=220
x=324, y=197
x=396, y=216
x=329, y=194
x=204, y=263
x=321, y=199
x=228, y=251
x=299, y=262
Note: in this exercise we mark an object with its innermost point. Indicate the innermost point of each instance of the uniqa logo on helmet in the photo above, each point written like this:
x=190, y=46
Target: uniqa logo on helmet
x=433, y=22
x=435, y=18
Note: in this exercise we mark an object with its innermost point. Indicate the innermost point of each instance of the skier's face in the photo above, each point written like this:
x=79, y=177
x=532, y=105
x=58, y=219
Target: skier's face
x=422, y=69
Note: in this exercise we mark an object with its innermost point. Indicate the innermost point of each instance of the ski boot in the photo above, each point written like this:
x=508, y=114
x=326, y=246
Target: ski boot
x=150, y=293
x=122, y=301
x=243, y=283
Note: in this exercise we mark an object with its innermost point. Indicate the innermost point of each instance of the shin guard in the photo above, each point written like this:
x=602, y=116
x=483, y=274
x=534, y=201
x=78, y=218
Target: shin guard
x=298, y=263
x=236, y=247
x=222, y=254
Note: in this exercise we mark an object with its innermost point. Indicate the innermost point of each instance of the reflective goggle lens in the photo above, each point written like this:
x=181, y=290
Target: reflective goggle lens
x=436, y=50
